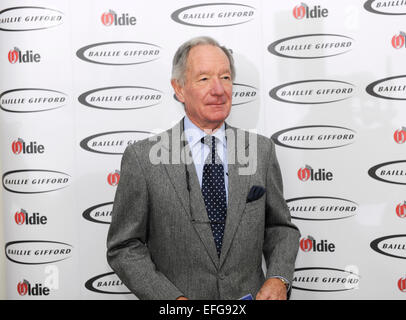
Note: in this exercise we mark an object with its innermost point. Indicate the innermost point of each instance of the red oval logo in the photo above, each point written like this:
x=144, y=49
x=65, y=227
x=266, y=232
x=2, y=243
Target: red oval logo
x=299, y=12
x=19, y=217
x=303, y=174
x=17, y=147
x=13, y=56
x=306, y=244
x=22, y=288
x=398, y=41
x=107, y=18
x=400, y=136
x=113, y=178
x=401, y=210
x=402, y=284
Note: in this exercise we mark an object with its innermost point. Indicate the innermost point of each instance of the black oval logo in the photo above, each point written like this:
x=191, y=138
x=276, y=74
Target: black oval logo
x=113, y=142
x=392, y=88
x=317, y=137
x=325, y=279
x=107, y=283
x=100, y=213
x=321, y=208
x=391, y=246
x=25, y=100
x=29, y=18
x=387, y=7
x=313, y=91
x=121, y=98
x=389, y=172
x=35, y=181
x=214, y=14
x=32, y=252
x=312, y=46
x=119, y=53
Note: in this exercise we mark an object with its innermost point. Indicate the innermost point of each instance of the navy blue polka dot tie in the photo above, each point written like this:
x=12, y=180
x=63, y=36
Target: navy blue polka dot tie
x=214, y=192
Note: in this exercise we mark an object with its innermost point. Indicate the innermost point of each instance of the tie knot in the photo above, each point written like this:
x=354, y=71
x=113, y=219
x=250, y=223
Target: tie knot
x=209, y=141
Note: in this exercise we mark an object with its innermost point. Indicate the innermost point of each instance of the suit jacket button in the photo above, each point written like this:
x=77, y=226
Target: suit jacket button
x=221, y=276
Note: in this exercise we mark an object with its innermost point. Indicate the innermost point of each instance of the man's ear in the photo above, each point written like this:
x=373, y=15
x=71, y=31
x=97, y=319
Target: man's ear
x=178, y=90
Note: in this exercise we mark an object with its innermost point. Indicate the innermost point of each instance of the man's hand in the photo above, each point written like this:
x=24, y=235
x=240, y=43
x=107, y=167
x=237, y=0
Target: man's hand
x=272, y=289
x=182, y=298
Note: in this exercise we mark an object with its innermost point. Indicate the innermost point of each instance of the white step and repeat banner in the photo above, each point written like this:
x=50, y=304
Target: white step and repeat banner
x=80, y=80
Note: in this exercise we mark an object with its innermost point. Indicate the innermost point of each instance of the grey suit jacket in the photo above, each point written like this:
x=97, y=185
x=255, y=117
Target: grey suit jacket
x=160, y=242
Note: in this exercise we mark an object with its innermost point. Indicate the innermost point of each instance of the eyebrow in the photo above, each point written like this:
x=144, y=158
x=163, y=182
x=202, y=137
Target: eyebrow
x=201, y=72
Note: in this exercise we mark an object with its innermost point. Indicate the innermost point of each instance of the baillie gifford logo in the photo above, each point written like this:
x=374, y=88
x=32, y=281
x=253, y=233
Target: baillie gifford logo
x=17, y=56
x=398, y=40
x=24, y=288
x=308, y=173
x=400, y=135
x=111, y=18
x=303, y=11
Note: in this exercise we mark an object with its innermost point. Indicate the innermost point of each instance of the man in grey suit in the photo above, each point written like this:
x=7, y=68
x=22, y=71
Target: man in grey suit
x=193, y=215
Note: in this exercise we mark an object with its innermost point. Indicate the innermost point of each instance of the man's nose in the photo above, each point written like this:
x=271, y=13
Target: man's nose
x=217, y=87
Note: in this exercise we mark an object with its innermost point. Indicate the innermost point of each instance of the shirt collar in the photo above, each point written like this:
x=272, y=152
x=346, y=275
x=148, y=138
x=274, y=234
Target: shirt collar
x=194, y=134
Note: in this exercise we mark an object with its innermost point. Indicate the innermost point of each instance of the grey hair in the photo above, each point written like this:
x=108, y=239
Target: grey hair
x=180, y=57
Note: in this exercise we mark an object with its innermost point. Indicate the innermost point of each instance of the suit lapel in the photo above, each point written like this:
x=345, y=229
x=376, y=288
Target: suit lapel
x=193, y=207
x=237, y=190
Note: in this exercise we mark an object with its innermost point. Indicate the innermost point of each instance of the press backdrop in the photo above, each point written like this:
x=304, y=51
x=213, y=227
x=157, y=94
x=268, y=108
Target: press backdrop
x=80, y=80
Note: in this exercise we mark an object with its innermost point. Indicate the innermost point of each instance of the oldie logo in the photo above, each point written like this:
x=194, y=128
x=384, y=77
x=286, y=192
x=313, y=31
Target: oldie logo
x=100, y=213
x=307, y=173
x=107, y=283
x=111, y=18
x=387, y=7
x=314, y=137
x=312, y=46
x=214, y=14
x=310, y=244
x=320, y=208
x=25, y=288
x=392, y=88
x=320, y=279
x=22, y=217
x=17, y=56
x=313, y=91
x=303, y=11
x=401, y=210
x=389, y=172
x=113, y=142
x=391, y=246
x=113, y=178
x=29, y=18
x=37, y=251
x=31, y=100
x=119, y=53
x=19, y=146
x=121, y=98
x=35, y=181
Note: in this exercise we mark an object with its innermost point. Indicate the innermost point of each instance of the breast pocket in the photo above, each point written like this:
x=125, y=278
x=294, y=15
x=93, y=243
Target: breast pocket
x=254, y=211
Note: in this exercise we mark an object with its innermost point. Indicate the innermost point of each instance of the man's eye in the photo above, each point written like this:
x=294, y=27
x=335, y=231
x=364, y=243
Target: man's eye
x=203, y=79
x=226, y=77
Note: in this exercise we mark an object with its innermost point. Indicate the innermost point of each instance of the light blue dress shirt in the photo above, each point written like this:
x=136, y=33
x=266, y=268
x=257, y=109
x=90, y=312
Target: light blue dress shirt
x=200, y=151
